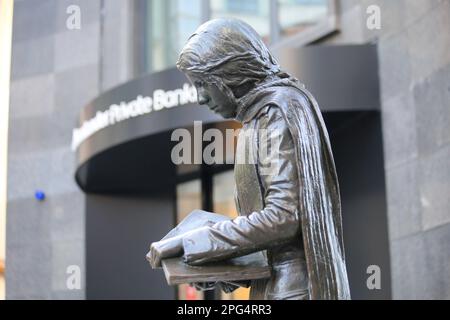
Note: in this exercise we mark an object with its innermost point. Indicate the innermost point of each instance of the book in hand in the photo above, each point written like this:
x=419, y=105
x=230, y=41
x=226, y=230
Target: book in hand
x=250, y=267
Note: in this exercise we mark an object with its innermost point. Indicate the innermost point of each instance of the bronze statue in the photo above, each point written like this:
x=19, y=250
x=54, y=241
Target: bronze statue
x=294, y=212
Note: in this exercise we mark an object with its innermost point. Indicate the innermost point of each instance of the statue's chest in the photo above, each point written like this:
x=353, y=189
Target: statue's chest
x=248, y=188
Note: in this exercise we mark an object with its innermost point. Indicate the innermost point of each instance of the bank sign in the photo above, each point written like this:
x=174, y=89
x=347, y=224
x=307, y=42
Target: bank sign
x=139, y=97
x=139, y=106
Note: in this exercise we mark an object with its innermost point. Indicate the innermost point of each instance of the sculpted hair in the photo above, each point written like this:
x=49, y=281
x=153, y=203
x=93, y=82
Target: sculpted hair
x=228, y=52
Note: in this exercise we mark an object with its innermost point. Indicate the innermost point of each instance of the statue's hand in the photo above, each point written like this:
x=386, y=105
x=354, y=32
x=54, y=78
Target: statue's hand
x=230, y=286
x=204, y=286
x=225, y=286
x=168, y=248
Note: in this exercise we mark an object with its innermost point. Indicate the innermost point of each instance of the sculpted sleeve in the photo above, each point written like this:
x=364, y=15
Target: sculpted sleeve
x=277, y=222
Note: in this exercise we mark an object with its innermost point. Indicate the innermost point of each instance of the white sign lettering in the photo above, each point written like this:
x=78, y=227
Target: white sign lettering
x=126, y=110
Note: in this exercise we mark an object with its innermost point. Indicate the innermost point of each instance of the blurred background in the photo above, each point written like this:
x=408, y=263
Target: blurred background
x=82, y=198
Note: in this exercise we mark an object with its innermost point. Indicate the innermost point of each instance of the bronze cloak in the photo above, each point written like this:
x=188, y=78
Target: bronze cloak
x=319, y=205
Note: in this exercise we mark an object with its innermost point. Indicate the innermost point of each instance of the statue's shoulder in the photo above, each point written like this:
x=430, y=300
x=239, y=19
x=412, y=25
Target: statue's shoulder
x=288, y=95
x=269, y=113
x=275, y=101
x=283, y=100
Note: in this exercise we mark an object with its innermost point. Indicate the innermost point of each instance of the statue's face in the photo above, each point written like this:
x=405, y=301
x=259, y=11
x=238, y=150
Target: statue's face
x=209, y=94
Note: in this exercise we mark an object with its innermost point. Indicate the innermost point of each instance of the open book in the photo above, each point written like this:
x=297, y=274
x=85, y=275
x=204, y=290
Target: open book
x=249, y=267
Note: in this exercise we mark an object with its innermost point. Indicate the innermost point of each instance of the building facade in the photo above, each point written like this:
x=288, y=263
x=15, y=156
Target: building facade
x=59, y=66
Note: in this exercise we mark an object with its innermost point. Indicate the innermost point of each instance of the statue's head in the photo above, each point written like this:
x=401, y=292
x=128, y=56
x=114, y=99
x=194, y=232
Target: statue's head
x=225, y=59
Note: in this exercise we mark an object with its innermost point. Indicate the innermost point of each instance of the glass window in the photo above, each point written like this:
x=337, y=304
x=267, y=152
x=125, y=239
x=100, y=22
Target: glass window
x=297, y=15
x=223, y=201
x=189, y=198
x=169, y=23
x=254, y=12
x=223, y=194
